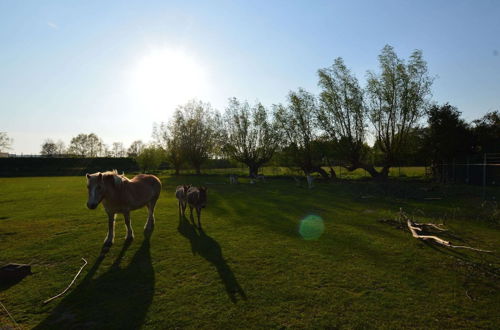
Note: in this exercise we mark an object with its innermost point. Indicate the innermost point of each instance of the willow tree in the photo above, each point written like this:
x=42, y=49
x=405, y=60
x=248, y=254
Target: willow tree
x=250, y=136
x=199, y=132
x=397, y=100
x=342, y=115
x=297, y=125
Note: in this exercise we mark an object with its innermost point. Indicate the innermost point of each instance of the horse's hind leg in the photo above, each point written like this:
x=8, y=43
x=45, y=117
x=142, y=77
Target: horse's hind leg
x=198, y=212
x=150, y=224
x=184, y=204
x=111, y=230
x=130, y=232
x=191, y=214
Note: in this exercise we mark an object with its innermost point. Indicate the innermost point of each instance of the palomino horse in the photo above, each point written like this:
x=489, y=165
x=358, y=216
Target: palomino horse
x=121, y=195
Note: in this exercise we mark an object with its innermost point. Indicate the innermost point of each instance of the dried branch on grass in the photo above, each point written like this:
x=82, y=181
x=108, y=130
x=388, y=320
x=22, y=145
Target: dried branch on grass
x=418, y=227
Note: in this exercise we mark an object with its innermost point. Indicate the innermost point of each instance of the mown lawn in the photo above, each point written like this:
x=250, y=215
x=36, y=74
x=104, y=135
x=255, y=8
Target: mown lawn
x=342, y=173
x=250, y=267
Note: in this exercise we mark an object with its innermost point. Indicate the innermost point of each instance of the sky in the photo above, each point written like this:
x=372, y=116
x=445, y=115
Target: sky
x=115, y=68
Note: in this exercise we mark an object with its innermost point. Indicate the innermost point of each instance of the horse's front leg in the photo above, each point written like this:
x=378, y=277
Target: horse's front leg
x=130, y=232
x=111, y=230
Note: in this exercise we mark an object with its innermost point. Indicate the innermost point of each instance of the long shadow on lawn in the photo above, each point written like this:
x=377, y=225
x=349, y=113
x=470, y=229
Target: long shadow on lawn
x=117, y=299
x=210, y=250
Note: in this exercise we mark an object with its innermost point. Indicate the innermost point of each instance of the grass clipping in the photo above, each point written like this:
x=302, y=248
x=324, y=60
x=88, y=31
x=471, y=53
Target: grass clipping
x=417, y=228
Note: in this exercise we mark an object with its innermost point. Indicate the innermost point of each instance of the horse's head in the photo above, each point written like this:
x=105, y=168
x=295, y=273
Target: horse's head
x=96, y=189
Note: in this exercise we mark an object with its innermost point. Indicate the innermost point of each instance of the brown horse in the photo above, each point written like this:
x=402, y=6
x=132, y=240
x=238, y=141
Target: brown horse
x=121, y=195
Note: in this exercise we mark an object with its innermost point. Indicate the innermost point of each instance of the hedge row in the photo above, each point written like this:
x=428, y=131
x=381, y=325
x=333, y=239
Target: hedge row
x=63, y=166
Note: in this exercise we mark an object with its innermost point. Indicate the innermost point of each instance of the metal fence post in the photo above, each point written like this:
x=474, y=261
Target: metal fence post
x=484, y=176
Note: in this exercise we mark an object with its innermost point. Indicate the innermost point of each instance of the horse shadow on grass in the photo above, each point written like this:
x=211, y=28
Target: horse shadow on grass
x=117, y=299
x=210, y=250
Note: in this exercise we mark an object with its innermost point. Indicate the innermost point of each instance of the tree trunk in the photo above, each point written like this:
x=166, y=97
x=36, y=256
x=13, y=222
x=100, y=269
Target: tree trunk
x=321, y=171
x=177, y=169
x=198, y=169
x=371, y=170
x=253, y=170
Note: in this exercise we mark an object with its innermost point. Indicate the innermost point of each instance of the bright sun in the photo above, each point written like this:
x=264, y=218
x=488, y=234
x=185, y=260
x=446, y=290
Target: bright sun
x=164, y=79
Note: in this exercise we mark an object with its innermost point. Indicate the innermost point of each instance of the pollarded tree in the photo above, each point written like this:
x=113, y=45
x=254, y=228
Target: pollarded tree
x=342, y=115
x=49, y=148
x=5, y=141
x=250, y=136
x=397, y=100
x=199, y=130
x=297, y=126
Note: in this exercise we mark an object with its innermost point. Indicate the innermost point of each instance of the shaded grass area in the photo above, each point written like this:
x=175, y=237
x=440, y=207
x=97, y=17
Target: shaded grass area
x=249, y=267
x=341, y=172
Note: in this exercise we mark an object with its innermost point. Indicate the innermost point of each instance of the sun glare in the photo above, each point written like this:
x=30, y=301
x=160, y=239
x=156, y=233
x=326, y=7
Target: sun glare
x=164, y=79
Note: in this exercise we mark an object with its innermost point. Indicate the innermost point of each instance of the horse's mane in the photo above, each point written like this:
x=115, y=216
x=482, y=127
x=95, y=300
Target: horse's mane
x=118, y=178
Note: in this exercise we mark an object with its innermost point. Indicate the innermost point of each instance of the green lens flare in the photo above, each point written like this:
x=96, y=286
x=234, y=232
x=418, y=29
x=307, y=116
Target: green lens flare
x=311, y=227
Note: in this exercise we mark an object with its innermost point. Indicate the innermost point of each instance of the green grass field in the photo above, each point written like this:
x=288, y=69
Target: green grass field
x=250, y=267
x=342, y=173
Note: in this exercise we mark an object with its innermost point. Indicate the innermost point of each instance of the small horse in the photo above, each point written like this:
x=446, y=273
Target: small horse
x=121, y=195
x=197, y=198
x=181, y=195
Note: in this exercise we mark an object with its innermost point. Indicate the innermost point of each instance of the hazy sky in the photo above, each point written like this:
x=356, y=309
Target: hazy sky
x=116, y=67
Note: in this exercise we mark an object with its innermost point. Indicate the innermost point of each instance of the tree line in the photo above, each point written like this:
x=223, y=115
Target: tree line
x=90, y=145
x=313, y=132
x=381, y=123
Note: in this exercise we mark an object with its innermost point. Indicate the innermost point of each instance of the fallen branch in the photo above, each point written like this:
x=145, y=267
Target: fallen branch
x=416, y=227
x=67, y=288
x=430, y=225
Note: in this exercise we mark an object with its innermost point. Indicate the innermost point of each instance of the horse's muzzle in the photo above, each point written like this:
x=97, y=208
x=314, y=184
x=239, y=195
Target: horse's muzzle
x=91, y=206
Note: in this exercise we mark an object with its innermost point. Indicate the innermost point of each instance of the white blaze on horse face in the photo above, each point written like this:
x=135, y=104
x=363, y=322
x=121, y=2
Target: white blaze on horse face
x=95, y=193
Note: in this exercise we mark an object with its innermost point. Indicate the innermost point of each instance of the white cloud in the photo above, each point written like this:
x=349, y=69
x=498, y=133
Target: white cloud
x=52, y=25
